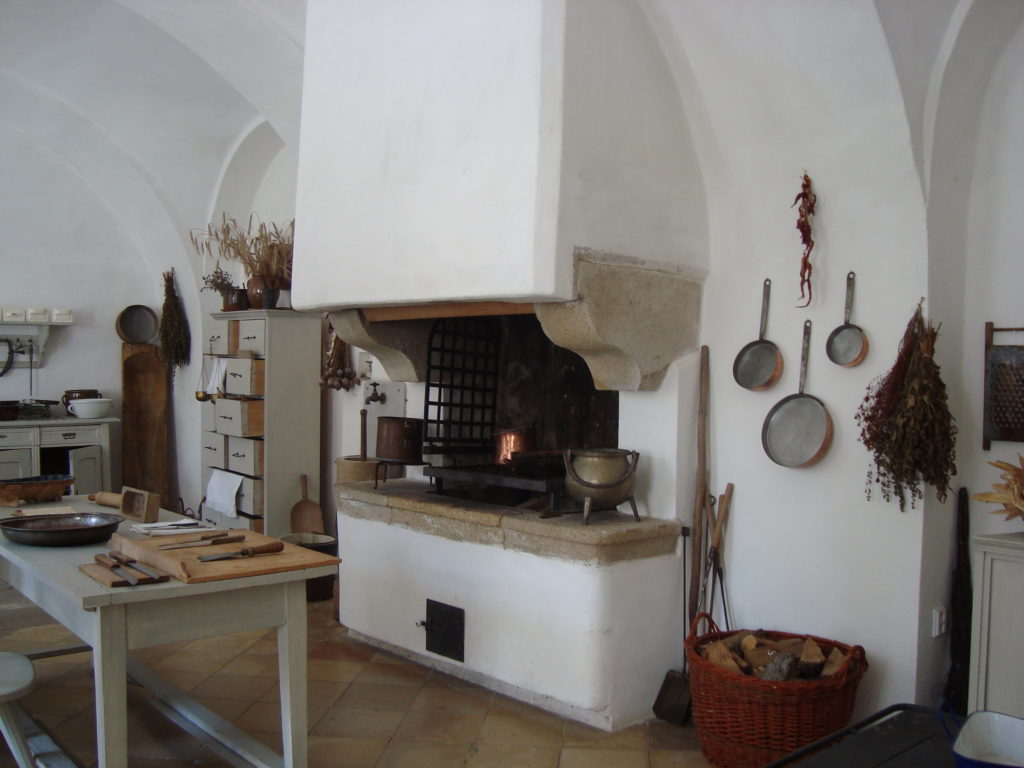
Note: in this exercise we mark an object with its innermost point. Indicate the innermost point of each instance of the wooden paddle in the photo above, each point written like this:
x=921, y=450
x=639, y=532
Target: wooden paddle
x=307, y=516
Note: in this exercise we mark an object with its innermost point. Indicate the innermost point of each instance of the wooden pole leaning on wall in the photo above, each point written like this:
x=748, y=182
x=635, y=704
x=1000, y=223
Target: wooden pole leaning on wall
x=701, y=489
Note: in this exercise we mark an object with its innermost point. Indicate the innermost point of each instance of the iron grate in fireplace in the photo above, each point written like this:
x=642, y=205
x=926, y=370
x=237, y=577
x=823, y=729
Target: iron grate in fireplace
x=462, y=385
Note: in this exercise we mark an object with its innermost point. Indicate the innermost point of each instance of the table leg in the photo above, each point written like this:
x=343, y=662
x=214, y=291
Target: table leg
x=291, y=664
x=109, y=659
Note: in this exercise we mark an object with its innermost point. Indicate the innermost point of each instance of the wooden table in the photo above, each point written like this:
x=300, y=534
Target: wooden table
x=114, y=621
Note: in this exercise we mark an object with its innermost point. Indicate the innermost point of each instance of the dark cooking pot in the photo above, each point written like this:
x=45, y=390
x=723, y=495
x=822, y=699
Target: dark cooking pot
x=399, y=439
x=9, y=410
x=68, y=530
x=78, y=394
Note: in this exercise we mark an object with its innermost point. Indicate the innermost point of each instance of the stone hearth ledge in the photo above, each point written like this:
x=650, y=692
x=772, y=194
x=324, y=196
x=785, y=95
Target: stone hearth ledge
x=609, y=538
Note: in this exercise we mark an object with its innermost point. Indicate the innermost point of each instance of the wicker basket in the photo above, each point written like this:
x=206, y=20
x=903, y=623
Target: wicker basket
x=745, y=722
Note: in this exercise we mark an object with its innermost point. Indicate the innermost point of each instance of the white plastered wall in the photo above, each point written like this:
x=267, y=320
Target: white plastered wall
x=806, y=87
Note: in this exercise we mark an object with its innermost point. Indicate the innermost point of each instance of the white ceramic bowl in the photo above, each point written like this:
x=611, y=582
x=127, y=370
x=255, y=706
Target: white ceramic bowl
x=90, y=407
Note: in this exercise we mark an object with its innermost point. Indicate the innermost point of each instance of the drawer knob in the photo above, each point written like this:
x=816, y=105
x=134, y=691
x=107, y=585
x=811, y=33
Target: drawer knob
x=228, y=418
x=69, y=435
x=238, y=455
x=236, y=375
x=248, y=338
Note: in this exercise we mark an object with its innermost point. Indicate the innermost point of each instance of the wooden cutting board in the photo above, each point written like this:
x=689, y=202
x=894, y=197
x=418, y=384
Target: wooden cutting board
x=184, y=565
x=144, y=413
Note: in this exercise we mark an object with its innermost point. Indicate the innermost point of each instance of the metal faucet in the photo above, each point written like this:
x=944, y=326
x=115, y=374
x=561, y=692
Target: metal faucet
x=375, y=396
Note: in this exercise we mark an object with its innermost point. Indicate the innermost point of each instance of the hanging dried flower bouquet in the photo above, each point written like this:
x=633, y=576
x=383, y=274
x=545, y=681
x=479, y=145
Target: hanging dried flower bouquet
x=905, y=421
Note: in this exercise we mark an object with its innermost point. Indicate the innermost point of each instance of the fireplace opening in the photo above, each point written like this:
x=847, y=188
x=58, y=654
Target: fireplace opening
x=489, y=376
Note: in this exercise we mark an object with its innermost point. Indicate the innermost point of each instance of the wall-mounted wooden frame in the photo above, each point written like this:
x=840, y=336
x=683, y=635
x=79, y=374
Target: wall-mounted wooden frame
x=1003, y=410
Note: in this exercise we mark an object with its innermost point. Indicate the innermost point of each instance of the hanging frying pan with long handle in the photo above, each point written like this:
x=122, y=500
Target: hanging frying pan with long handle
x=797, y=432
x=759, y=364
x=847, y=345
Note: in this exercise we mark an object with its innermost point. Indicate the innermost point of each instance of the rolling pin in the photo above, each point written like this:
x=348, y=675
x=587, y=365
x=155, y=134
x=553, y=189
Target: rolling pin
x=106, y=499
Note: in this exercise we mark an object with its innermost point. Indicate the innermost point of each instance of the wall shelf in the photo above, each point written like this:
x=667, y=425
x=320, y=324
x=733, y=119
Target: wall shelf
x=21, y=335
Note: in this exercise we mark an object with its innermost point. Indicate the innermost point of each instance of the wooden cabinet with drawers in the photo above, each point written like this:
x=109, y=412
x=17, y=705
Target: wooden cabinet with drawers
x=266, y=426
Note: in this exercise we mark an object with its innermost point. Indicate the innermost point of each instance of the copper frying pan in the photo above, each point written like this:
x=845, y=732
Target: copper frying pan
x=797, y=432
x=847, y=345
x=759, y=364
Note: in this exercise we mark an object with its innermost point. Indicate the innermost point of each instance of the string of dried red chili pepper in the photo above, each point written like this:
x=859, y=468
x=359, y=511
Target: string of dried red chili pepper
x=807, y=200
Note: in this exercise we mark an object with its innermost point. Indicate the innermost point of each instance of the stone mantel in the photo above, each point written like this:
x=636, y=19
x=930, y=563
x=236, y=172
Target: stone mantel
x=611, y=537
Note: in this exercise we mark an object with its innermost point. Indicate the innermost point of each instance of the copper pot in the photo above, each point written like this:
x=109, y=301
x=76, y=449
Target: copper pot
x=604, y=476
x=399, y=439
x=510, y=441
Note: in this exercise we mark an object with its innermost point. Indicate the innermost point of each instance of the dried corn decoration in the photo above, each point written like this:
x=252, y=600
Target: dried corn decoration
x=1009, y=493
x=175, y=338
x=906, y=424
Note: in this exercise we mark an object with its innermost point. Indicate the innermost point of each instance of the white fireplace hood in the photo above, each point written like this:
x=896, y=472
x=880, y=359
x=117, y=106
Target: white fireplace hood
x=528, y=151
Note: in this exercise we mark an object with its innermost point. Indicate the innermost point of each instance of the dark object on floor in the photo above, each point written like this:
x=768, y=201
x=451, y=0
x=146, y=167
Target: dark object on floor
x=960, y=607
x=673, y=702
x=902, y=734
x=322, y=587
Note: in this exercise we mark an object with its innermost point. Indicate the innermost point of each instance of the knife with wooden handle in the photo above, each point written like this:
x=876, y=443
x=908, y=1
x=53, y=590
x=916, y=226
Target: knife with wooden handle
x=131, y=562
x=205, y=541
x=261, y=549
x=112, y=565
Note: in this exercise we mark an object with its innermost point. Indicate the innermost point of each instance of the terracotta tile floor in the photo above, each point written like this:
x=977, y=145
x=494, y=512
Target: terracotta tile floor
x=367, y=708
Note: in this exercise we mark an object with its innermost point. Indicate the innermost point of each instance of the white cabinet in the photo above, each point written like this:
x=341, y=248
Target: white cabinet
x=80, y=447
x=86, y=464
x=15, y=463
x=266, y=428
x=997, y=675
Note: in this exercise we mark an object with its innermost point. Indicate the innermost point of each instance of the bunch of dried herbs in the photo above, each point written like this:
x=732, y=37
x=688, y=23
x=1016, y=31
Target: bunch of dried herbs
x=905, y=421
x=219, y=281
x=175, y=337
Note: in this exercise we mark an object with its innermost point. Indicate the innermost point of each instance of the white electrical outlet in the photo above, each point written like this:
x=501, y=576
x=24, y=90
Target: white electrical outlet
x=938, y=621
